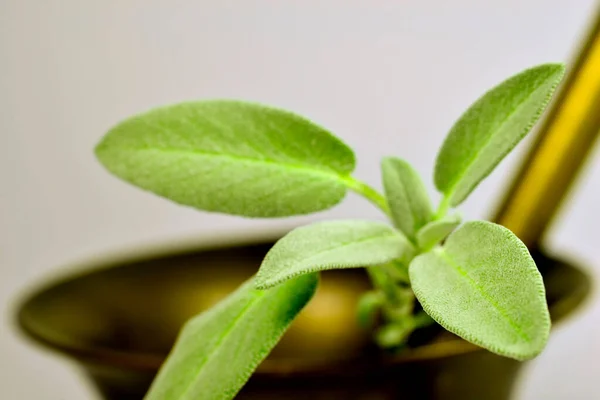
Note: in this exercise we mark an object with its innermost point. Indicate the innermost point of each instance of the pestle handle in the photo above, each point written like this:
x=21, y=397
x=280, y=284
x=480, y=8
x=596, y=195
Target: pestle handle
x=563, y=142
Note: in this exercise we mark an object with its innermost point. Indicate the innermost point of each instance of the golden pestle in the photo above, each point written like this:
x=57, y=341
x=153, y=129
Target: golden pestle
x=565, y=139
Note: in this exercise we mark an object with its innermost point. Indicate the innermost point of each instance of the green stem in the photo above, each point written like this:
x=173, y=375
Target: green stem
x=422, y=319
x=398, y=272
x=381, y=281
x=443, y=208
x=369, y=193
x=399, y=299
x=392, y=279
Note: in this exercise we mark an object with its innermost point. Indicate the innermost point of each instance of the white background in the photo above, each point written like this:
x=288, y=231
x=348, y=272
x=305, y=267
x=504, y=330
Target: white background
x=389, y=77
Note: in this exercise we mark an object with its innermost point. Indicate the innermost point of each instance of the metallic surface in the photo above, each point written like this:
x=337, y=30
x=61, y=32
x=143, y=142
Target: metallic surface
x=120, y=321
x=563, y=143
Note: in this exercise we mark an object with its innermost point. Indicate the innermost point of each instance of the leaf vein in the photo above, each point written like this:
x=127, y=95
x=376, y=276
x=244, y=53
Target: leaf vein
x=503, y=313
x=220, y=340
x=319, y=171
x=350, y=243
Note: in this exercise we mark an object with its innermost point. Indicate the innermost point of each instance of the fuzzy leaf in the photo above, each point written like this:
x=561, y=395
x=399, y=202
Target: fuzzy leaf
x=394, y=334
x=484, y=286
x=331, y=245
x=369, y=305
x=491, y=128
x=218, y=350
x=231, y=157
x=406, y=195
x=436, y=231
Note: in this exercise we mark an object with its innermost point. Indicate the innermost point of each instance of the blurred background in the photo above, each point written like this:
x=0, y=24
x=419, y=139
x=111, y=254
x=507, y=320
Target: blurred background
x=389, y=77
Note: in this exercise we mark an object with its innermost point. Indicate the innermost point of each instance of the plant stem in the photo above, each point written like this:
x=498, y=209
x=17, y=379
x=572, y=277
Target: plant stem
x=381, y=281
x=443, y=208
x=392, y=279
x=399, y=298
x=369, y=193
x=398, y=272
x=396, y=309
x=422, y=319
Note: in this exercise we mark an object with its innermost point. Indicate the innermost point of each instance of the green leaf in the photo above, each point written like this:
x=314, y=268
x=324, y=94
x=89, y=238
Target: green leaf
x=331, y=245
x=484, y=286
x=491, y=128
x=407, y=197
x=436, y=231
x=369, y=305
x=394, y=334
x=218, y=350
x=231, y=157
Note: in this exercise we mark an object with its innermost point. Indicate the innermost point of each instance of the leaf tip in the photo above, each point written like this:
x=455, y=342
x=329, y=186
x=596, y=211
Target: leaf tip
x=100, y=152
x=548, y=69
x=557, y=67
x=103, y=148
x=556, y=72
x=386, y=160
x=527, y=352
